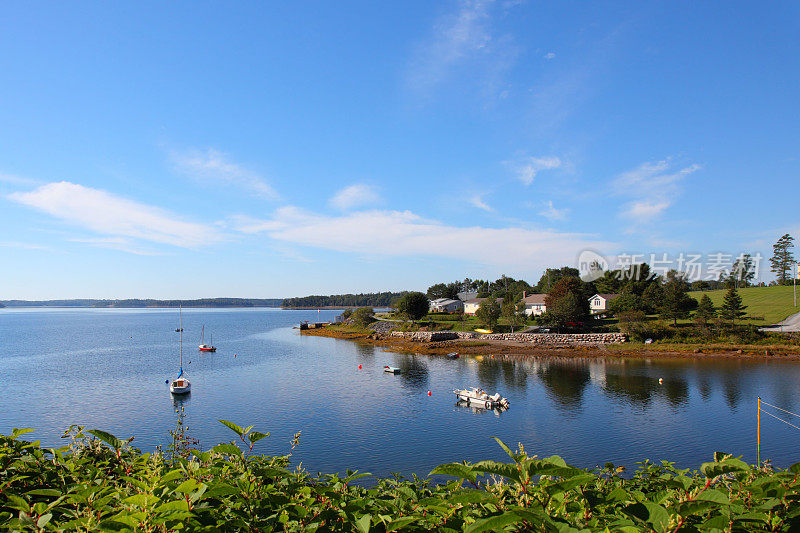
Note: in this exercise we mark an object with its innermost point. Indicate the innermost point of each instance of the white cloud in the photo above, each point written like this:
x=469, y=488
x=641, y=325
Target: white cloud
x=355, y=196
x=477, y=201
x=527, y=168
x=213, y=166
x=22, y=245
x=462, y=44
x=108, y=214
x=11, y=179
x=403, y=233
x=549, y=55
x=551, y=213
x=652, y=188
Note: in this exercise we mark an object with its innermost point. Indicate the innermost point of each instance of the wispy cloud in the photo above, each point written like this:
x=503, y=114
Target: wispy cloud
x=527, y=168
x=213, y=166
x=115, y=243
x=22, y=245
x=355, y=196
x=477, y=201
x=551, y=213
x=108, y=214
x=11, y=179
x=652, y=188
x=403, y=233
x=550, y=55
x=463, y=39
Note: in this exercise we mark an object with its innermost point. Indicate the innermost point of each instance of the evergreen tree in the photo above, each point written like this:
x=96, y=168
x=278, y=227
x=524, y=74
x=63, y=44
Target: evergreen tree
x=676, y=303
x=574, y=309
x=782, y=259
x=732, y=307
x=653, y=296
x=743, y=271
x=705, y=310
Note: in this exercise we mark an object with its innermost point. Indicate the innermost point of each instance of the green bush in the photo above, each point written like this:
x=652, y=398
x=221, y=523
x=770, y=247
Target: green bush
x=363, y=316
x=104, y=484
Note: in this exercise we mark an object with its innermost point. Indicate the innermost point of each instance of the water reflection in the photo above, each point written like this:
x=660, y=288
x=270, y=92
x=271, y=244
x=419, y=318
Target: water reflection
x=565, y=379
x=366, y=352
x=467, y=406
x=414, y=372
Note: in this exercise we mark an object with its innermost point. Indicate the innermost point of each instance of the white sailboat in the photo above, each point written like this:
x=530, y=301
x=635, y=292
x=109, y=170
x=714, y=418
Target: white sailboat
x=206, y=347
x=181, y=384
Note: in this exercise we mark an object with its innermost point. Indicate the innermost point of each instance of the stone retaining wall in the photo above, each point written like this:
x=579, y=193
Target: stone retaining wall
x=546, y=339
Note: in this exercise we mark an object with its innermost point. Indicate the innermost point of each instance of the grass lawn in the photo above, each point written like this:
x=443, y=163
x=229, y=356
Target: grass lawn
x=772, y=303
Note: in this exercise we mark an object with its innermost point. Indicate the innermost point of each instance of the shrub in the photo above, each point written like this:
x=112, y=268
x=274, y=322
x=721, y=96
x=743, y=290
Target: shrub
x=363, y=316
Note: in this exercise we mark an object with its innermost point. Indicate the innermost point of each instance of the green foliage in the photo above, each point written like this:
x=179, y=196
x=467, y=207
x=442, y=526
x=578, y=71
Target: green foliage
x=444, y=290
x=414, y=305
x=782, y=260
x=488, y=312
x=377, y=299
x=87, y=486
x=676, y=303
x=626, y=302
x=566, y=303
x=732, y=307
x=363, y=316
x=705, y=310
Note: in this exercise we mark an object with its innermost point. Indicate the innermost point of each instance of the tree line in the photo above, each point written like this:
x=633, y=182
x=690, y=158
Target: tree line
x=375, y=299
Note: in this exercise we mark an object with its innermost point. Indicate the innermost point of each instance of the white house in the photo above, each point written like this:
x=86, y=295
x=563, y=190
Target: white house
x=445, y=305
x=534, y=304
x=599, y=302
x=471, y=305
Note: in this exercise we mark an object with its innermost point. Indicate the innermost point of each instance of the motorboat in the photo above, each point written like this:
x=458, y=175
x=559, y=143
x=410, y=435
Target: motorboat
x=452, y=355
x=391, y=369
x=479, y=397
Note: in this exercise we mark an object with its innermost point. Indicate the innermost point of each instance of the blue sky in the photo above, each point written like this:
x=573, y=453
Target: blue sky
x=203, y=149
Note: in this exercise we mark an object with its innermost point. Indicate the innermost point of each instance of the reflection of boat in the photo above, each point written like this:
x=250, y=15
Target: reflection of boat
x=180, y=385
x=483, y=330
x=203, y=346
x=452, y=355
x=477, y=396
x=478, y=410
x=391, y=369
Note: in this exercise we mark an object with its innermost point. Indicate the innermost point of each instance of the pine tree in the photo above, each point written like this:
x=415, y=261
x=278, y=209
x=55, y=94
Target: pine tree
x=782, y=259
x=732, y=307
x=676, y=304
x=706, y=309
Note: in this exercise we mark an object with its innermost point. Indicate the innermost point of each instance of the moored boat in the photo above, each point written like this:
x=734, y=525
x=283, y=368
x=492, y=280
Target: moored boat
x=206, y=347
x=479, y=397
x=452, y=355
x=391, y=369
x=180, y=385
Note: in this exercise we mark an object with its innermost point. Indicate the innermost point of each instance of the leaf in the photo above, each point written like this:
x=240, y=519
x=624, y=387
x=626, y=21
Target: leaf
x=43, y=520
x=713, y=495
x=16, y=432
x=472, y=496
x=500, y=469
x=19, y=503
x=44, y=492
x=458, y=470
x=257, y=436
x=221, y=490
x=363, y=523
x=400, y=523
x=186, y=487
x=657, y=515
x=493, y=523
x=233, y=427
x=228, y=449
x=795, y=468
x=106, y=437
x=514, y=457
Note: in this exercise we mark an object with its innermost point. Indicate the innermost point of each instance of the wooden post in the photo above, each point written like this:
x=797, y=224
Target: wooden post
x=758, y=433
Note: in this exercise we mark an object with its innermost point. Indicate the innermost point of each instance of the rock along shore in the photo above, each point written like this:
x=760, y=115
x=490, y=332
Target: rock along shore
x=538, y=339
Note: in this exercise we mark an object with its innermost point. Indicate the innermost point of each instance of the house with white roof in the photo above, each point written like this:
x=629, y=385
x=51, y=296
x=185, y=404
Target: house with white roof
x=446, y=305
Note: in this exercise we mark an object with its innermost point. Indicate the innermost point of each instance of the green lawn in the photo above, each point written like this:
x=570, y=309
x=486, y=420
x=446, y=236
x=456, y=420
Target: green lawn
x=772, y=303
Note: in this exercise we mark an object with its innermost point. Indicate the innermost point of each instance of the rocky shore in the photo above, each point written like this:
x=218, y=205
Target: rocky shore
x=385, y=335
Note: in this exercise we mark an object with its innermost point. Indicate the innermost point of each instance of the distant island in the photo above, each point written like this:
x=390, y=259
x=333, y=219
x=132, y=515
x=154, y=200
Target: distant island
x=138, y=303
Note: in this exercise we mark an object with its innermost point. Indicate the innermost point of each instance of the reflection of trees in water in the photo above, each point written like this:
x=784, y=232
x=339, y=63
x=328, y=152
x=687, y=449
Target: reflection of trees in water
x=676, y=390
x=565, y=380
x=490, y=371
x=514, y=376
x=413, y=372
x=627, y=381
x=366, y=352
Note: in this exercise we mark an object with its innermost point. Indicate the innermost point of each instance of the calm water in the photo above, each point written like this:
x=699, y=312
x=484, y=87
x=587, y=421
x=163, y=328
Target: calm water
x=106, y=369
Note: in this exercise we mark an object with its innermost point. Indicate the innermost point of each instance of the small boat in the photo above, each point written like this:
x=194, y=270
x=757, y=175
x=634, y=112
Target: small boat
x=180, y=385
x=483, y=331
x=477, y=396
x=391, y=369
x=452, y=355
x=206, y=347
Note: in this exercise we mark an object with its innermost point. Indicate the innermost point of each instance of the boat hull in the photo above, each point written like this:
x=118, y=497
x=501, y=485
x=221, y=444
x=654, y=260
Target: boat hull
x=205, y=348
x=181, y=388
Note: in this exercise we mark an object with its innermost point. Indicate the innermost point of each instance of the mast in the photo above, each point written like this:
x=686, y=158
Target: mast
x=180, y=327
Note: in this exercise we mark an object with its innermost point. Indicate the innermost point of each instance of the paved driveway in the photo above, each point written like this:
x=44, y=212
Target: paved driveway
x=791, y=323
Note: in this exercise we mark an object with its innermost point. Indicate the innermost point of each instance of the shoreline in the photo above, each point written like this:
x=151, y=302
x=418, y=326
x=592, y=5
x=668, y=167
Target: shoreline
x=508, y=348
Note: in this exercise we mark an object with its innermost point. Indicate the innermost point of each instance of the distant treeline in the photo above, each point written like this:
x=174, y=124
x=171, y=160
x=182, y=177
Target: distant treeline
x=202, y=302
x=376, y=299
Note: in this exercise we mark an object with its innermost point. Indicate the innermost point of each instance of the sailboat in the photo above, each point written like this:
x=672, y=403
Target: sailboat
x=206, y=347
x=181, y=384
